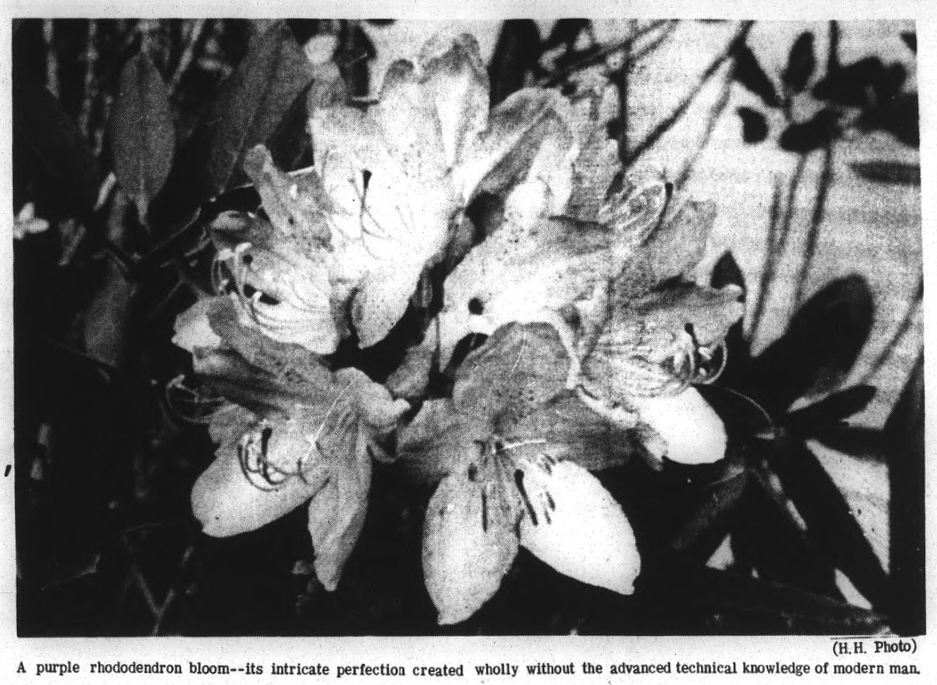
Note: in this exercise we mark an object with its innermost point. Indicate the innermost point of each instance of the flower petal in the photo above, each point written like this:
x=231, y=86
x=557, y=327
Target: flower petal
x=440, y=441
x=226, y=503
x=574, y=525
x=337, y=513
x=693, y=431
x=468, y=546
x=193, y=329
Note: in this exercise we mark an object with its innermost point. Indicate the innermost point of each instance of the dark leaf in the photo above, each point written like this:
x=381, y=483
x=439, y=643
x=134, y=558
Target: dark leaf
x=516, y=54
x=910, y=39
x=856, y=441
x=381, y=22
x=898, y=116
x=749, y=73
x=51, y=151
x=142, y=133
x=738, y=604
x=754, y=125
x=830, y=410
x=250, y=107
x=884, y=171
x=810, y=135
x=565, y=32
x=708, y=524
x=850, y=85
x=905, y=430
x=831, y=525
x=353, y=56
x=800, y=63
x=779, y=548
x=820, y=346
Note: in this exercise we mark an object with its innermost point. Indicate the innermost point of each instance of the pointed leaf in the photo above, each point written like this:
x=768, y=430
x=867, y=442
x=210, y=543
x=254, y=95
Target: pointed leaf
x=893, y=173
x=580, y=530
x=830, y=410
x=142, y=132
x=821, y=345
x=50, y=150
x=800, y=63
x=754, y=125
x=250, y=106
x=832, y=519
x=468, y=545
x=749, y=73
x=813, y=134
x=515, y=56
x=910, y=39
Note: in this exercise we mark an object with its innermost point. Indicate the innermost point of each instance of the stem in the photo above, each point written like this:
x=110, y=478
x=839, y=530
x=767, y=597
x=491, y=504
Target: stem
x=669, y=122
x=90, y=60
x=52, y=64
x=819, y=211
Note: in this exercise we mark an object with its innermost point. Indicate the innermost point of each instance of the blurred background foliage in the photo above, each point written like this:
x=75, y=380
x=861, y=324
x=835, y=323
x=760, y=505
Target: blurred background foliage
x=128, y=137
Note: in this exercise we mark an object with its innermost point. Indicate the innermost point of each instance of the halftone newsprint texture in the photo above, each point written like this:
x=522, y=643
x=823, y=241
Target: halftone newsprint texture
x=472, y=332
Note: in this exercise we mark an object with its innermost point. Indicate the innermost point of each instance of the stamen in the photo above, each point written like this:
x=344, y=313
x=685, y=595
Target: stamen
x=519, y=481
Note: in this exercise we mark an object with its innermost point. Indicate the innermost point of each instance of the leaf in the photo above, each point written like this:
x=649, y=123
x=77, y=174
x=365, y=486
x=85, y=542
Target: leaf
x=353, y=56
x=51, y=151
x=565, y=32
x=249, y=107
x=898, y=115
x=706, y=527
x=908, y=506
x=892, y=173
x=754, y=125
x=819, y=348
x=468, y=545
x=516, y=54
x=830, y=410
x=142, y=132
x=581, y=531
x=910, y=39
x=337, y=511
x=851, y=84
x=800, y=63
x=813, y=134
x=831, y=517
x=749, y=73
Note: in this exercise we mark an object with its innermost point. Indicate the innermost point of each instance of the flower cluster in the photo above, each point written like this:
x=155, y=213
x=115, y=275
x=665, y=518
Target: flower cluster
x=579, y=273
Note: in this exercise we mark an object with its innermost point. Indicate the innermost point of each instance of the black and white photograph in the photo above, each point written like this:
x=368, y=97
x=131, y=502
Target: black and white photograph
x=497, y=327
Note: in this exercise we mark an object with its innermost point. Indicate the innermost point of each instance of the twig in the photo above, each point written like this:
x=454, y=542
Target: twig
x=715, y=114
x=600, y=55
x=903, y=327
x=779, y=229
x=819, y=211
x=89, y=96
x=52, y=64
x=681, y=109
x=187, y=55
